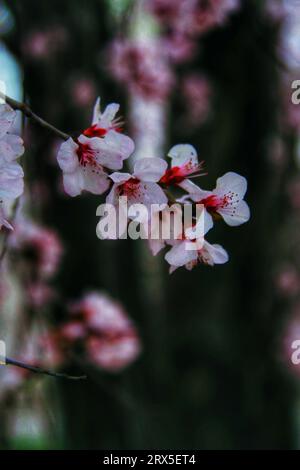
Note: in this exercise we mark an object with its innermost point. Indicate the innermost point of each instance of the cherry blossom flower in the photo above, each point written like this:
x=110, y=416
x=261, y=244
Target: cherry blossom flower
x=104, y=331
x=226, y=200
x=11, y=173
x=115, y=352
x=104, y=122
x=85, y=160
x=184, y=164
x=190, y=251
x=141, y=187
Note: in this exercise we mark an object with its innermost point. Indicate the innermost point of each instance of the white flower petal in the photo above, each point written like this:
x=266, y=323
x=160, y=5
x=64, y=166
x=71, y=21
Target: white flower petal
x=148, y=193
x=11, y=147
x=11, y=181
x=150, y=169
x=97, y=111
x=73, y=183
x=236, y=215
x=120, y=142
x=93, y=181
x=118, y=177
x=197, y=194
x=231, y=182
x=108, y=115
x=3, y=221
x=213, y=254
x=103, y=153
x=188, y=186
x=179, y=255
x=155, y=246
x=7, y=117
x=67, y=157
x=112, y=197
x=183, y=153
x=172, y=269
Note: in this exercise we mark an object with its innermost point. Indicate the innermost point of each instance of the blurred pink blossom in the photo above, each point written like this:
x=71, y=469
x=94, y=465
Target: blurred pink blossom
x=104, y=330
x=288, y=281
x=45, y=43
x=193, y=17
x=83, y=92
x=179, y=47
x=41, y=246
x=142, y=67
x=39, y=294
x=196, y=91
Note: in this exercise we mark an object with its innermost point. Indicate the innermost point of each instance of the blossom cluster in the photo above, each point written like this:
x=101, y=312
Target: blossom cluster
x=145, y=63
x=88, y=163
x=97, y=331
x=93, y=163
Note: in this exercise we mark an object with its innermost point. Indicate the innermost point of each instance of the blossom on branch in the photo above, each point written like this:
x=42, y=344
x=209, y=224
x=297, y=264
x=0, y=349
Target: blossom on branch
x=184, y=164
x=85, y=161
x=192, y=249
x=226, y=200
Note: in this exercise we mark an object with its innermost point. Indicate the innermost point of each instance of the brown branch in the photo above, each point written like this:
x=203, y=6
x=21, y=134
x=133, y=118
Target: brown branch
x=25, y=109
x=39, y=370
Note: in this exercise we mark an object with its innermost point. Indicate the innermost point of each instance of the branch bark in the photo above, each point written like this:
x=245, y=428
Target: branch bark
x=27, y=111
x=39, y=370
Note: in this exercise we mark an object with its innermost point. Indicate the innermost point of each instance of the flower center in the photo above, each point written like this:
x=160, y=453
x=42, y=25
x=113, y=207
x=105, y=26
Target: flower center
x=86, y=155
x=211, y=203
x=130, y=187
x=173, y=175
x=96, y=131
x=177, y=174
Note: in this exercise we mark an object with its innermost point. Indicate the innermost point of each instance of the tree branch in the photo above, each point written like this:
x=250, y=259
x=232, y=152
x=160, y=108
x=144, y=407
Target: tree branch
x=25, y=109
x=39, y=370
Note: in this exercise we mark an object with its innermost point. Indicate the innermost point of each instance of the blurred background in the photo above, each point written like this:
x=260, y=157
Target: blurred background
x=212, y=347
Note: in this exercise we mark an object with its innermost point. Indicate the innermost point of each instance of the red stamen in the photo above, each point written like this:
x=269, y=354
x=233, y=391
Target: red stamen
x=95, y=131
x=85, y=154
x=130, y=187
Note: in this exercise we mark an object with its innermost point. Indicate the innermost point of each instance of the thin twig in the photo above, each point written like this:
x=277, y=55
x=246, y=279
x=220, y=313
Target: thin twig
x=39, y=370
x=25, y=109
